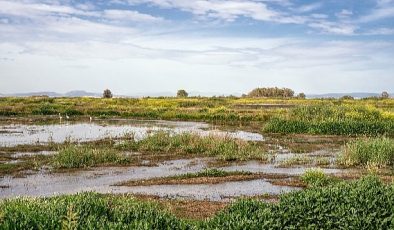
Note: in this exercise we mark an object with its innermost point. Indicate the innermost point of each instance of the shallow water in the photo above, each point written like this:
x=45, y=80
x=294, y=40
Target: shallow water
x=17, y=134
x=212, y=192
x=257, y=167
x=99, y=179
x=102, y=180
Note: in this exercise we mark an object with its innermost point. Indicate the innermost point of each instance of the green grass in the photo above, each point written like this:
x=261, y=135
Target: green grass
x=362, y=204
x=333, y=120
x=316, y=177
x=74, y=156
x=223, y=147
x=369, y=152
x=214, y=109
x=210, y=173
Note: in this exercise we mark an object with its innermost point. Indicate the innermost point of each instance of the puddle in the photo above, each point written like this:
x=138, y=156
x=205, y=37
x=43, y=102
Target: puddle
x=18, y=134
x=212, y=192
x=257, y=167
x=102, y=180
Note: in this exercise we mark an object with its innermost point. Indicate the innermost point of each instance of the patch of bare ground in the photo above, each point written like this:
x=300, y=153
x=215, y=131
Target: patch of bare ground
x=187, y=209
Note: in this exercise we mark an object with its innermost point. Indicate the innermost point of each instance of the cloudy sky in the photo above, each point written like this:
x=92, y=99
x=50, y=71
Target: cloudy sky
x=223, y=46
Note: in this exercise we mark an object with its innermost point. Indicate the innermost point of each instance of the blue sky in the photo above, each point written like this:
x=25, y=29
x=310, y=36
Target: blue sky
x=233, y=46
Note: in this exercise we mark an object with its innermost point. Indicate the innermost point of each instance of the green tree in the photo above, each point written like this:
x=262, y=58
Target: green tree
x=301, y=96
x=385, y=95
x=182, y=93
x=107, y=94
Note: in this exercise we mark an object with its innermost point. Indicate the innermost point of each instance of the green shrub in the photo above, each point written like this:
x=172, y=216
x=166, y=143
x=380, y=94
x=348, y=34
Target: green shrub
x=364, y=204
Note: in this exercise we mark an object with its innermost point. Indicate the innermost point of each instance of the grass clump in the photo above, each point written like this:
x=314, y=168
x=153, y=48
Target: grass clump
x=369, y=152
x=211, y=173
x=223, y=147
x=316, y=177
x=74, y=156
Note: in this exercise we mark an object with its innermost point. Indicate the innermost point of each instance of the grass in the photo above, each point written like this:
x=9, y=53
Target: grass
x=206, y=176
x=362, y=204
x=332, y=120
x=214, y=109
x=316, y=177
x=369, y=152
x=211, y=173
x=223, y=147
x=74, y=156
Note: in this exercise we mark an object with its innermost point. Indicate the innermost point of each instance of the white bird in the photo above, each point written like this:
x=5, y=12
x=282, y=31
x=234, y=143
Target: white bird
x=91, y=119
x=67, y=117
x=60, y=116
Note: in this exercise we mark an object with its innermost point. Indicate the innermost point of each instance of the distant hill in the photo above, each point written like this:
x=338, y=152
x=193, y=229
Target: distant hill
x=81, y=93
x=338, y=95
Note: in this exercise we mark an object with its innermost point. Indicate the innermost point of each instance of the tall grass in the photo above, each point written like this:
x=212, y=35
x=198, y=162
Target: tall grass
x=223, y=147
x=372, y=151
x=335, y=120
x=74, y=156
x=364, y=204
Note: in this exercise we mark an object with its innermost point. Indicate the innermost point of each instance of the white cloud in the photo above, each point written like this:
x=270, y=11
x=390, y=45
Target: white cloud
x=334, y=27
x=128, y=15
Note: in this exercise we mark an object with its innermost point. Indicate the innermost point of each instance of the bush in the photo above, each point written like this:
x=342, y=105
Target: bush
x=182, y=93
x=271, y=92
x=107, y=94
x=364, y=204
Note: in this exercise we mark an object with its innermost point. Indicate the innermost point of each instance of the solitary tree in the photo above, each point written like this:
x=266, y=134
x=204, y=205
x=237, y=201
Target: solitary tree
x=182, y=93
x=107, y=94
x=301, y=95
x=384, y=95
x=347, y=97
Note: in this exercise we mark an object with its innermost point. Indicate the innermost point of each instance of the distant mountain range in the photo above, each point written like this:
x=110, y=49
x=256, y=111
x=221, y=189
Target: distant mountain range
x=81, y=93
x=338, y=95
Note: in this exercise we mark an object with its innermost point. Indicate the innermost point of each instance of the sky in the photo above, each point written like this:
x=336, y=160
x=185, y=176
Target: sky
x=225, y=47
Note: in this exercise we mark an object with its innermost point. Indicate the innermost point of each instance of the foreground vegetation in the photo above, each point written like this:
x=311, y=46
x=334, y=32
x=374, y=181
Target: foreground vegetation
x=363, y=204
x=369, y=152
